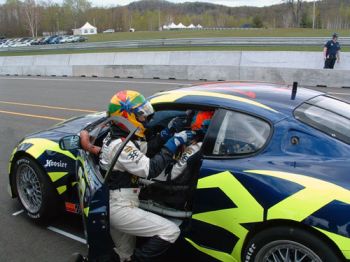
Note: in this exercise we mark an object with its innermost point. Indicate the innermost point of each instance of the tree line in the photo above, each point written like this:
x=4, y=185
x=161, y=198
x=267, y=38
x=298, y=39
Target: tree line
x=33, y=17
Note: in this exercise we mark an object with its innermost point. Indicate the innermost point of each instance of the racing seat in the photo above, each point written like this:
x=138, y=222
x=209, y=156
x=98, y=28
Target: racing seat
x=178, y=193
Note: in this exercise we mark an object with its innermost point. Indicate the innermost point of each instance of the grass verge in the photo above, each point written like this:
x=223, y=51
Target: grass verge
x=276, y=32
x=203, y=48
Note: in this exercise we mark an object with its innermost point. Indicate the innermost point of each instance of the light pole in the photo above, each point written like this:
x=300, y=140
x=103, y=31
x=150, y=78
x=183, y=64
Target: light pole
x=314, y=15
x=159, y=28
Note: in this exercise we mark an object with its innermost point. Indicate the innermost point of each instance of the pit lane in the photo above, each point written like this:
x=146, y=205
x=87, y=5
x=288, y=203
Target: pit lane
x=31, y=104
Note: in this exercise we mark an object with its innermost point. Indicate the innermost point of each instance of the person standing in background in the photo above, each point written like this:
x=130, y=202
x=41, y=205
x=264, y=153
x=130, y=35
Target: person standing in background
x=331, y=52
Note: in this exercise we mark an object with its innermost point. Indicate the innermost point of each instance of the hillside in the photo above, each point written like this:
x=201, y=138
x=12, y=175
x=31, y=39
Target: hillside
x=18, y=18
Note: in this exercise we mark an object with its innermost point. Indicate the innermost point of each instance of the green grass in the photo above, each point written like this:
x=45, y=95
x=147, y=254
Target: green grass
x=209, y=48
x=120, y=36
x=278, y=32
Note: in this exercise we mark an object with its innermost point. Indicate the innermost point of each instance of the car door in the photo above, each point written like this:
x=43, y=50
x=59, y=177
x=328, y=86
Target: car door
x=94, y=197
x=222, y=205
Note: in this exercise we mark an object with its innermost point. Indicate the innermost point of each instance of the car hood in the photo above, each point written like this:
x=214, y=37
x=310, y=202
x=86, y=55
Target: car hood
x=70, y=126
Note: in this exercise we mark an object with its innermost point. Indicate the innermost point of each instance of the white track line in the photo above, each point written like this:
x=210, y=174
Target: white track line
x=334, y=93
x=59, y=231
x=66, y=234
x=18, y=212
x=92, y=80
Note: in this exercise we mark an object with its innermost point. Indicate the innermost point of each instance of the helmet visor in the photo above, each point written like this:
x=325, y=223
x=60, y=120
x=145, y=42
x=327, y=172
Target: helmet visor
x=146, y=110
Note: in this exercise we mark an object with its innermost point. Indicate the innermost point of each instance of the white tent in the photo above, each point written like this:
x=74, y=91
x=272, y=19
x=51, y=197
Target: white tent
x=86, y=29
x=181, y=26
x=172, y=26
x=199, y=26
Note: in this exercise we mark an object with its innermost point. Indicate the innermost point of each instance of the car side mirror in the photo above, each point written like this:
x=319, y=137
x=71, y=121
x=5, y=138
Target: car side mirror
x=70, y=142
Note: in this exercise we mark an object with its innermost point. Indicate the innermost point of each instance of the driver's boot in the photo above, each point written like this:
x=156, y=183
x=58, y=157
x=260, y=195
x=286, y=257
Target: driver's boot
x=151, y=250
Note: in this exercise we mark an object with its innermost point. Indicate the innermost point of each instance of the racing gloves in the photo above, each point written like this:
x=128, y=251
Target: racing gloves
x=179, y=139
x=177, y=124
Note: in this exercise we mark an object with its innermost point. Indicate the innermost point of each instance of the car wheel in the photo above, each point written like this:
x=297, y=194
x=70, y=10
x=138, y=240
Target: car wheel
x=35, y=191
x=287, y=244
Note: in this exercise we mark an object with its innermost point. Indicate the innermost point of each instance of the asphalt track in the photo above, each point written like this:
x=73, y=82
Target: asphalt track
x=30, y=104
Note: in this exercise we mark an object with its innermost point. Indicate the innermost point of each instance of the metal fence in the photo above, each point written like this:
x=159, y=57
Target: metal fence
x=186, y=42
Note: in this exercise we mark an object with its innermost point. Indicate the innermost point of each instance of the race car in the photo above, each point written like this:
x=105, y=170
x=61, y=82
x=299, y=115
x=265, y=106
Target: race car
x=272, y=183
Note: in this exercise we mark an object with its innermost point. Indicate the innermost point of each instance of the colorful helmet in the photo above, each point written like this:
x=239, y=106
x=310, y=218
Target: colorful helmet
x=201, y=120
x=130, y=105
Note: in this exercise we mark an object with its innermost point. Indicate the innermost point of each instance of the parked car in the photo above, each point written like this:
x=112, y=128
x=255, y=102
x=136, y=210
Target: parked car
x=37, y=41
x=82, y=38
x=44, y=40
x=53, y=40
x=109, y=31
x=71, y=39
x=50, y=39
x=272, y=183
x=65, y=39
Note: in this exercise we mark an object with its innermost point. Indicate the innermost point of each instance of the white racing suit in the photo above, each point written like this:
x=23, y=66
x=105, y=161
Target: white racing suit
x=126, y=218
x=181, y=164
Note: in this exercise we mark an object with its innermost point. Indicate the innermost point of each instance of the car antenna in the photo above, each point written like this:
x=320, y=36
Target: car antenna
x=294, y=90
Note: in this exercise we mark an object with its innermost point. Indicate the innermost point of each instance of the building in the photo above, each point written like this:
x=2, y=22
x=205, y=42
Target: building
x=86, y=29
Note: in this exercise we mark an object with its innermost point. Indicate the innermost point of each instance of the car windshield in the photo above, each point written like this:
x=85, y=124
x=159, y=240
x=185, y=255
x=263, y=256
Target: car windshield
x=76, y=124
x=327, y=114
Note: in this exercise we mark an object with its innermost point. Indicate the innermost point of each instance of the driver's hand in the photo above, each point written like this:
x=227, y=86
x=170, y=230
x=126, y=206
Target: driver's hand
x=86, y=144
x=178, y=124
x=179, y=139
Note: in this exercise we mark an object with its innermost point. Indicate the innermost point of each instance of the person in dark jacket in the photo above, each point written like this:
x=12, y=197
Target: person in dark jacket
x=331, y=52
x=139, y=159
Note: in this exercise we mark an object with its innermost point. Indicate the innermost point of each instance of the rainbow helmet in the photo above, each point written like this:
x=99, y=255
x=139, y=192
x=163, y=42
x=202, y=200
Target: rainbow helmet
x=131, y=105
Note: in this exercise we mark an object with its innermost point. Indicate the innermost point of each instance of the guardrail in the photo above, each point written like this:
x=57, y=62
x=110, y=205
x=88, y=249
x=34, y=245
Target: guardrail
x=186, y=42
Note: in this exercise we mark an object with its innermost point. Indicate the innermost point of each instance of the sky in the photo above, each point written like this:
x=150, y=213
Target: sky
x=222, y=2
x=259, y=3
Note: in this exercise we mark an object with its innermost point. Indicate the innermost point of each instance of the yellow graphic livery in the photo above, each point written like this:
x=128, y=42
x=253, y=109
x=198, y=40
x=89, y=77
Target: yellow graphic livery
x=166, y=97
x=297, y=207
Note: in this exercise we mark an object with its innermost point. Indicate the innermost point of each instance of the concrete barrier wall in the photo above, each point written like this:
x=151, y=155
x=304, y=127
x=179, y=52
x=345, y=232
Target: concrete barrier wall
x=2, y=59
x=19, y=61
x=304, y=67
x=309, y=60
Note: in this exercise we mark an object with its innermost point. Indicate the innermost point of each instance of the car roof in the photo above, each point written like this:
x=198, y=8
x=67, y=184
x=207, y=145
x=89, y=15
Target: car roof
x=272, y=101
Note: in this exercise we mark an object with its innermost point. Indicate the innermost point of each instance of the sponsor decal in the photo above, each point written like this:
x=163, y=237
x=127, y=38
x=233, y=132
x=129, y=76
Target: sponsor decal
x=37, y=215
x=128, y=149
x=186, y=155
x=51, y=163
x=21, y=161
x=250, y=252
x=132, y=152
x=71, y=207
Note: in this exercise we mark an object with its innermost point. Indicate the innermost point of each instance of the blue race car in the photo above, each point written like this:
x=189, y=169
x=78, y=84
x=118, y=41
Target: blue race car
x=272, y=183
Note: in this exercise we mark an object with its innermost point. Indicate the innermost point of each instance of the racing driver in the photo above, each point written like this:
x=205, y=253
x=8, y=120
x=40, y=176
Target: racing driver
x=139, y=159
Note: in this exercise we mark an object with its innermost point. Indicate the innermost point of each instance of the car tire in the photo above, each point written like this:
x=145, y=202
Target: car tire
x=276, y=241
x=35, y=191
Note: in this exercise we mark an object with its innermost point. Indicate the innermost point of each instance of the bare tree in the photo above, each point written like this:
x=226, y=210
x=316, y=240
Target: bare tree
x=295, y=8
x=31, y=11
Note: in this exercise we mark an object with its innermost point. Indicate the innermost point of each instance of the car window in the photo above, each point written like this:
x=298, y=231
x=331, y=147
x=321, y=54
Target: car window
x=328, y=115
x=240, y=134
